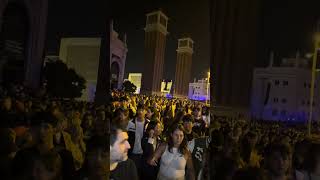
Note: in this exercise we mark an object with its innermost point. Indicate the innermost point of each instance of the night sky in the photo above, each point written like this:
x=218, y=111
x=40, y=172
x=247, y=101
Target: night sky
x=285, y=27
x=74, y=18
x=190, y=19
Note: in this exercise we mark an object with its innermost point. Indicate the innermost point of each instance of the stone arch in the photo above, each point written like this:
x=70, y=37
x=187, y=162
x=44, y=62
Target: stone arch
x=14, y=40
x=36, y=13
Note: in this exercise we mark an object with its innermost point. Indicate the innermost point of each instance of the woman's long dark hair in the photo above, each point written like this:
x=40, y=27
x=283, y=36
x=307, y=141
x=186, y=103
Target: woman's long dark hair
x=183, y=146
x=151, y=126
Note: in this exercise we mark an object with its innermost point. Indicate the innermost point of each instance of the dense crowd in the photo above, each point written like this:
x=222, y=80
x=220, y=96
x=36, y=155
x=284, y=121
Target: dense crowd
x=161, y=128
x=47, y=138
x=179, y=139
x=149, y=137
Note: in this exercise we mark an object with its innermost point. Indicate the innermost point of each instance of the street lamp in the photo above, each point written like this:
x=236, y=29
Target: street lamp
x=313, y=75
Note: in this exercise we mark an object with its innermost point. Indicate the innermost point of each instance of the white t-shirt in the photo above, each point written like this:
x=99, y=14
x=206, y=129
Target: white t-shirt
x=137, y=149
x=172, y=165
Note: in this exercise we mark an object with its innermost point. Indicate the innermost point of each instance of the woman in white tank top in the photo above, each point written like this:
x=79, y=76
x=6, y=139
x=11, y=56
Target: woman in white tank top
x=176, y=161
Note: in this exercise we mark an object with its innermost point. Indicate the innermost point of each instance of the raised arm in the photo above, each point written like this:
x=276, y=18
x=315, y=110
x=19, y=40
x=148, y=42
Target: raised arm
x=153, y=161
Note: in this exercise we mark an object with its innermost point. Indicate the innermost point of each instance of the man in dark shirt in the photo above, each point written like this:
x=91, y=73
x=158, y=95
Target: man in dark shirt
x=188, y=121
x=42, y=129
x=199, y=124
x=121, y=168
x=96, y=164
x=197, y=148
x=42, y=134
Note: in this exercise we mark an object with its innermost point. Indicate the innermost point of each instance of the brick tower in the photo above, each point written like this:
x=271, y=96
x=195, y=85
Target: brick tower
x=183, y=67
x=154, y=51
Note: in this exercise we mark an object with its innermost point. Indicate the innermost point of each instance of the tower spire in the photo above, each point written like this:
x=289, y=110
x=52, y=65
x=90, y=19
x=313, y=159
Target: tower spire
x=271, y=59
x=111, y=25
x=297, y=54
x=297, y=58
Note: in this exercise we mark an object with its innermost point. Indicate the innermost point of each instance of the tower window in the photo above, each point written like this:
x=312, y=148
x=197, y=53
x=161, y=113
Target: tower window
x=153, y=19
x=277, y=82
x=285, y=83
x=190, y=44
x=283, y=112
x=274, y=112
x=163, y=21
x=284, y=100
x=183, y=43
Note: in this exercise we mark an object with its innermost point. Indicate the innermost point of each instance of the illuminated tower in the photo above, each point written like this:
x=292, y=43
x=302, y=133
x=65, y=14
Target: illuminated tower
x=154, y=48
x=183, y=67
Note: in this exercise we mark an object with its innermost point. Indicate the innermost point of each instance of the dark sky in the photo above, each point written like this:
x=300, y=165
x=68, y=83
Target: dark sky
x=74, y=18
x=285, y=27
x=288, y=26
x=185, y=18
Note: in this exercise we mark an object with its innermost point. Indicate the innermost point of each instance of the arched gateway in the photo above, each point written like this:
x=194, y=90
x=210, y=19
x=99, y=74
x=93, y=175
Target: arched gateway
x=22, y=37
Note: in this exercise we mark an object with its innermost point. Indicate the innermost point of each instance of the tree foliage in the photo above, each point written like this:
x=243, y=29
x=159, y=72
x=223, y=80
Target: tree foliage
x=62, y=81
x=129, y=87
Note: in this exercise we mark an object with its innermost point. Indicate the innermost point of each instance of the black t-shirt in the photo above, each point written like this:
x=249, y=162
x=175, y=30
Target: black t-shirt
x=199, y=126
x=125, y=170
x=191, y=136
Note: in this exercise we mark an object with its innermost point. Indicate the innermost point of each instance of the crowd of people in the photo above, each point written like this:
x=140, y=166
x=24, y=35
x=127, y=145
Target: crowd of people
x=47, y=138
x=159, y=131
x=149, y=138
x=177, y=139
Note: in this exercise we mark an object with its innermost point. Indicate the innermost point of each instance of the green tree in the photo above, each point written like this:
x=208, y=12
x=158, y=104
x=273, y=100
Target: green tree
x=129, y=87
x=62, y=81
